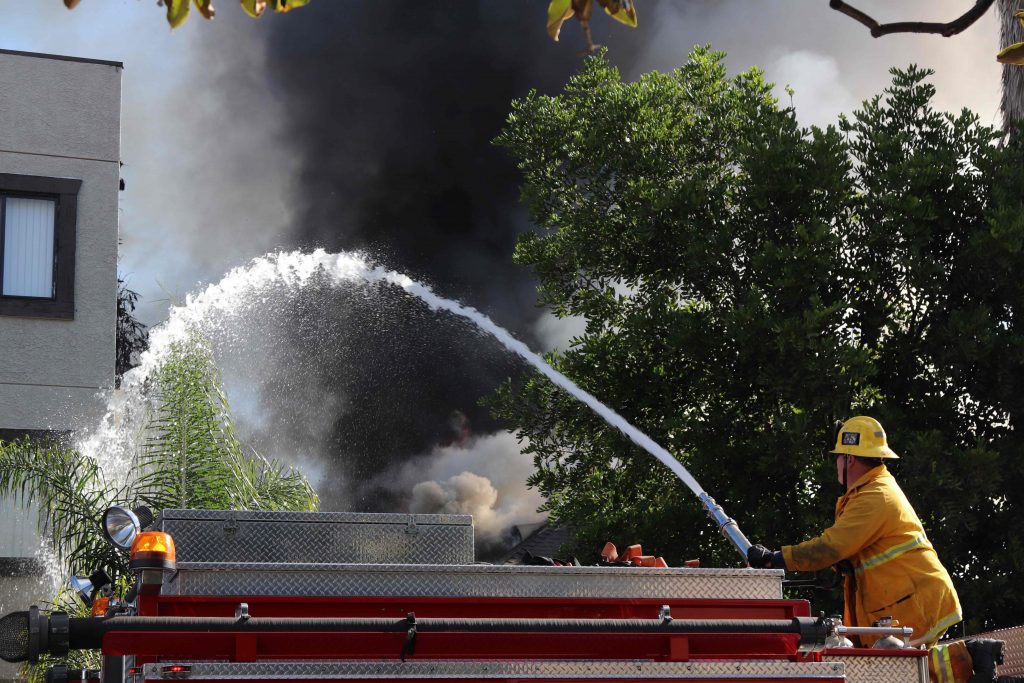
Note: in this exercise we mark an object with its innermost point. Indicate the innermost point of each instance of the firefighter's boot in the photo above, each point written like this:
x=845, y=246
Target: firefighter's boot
x=986, y=654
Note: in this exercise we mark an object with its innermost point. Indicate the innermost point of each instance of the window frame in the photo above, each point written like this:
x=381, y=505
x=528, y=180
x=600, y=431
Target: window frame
x=65, y=192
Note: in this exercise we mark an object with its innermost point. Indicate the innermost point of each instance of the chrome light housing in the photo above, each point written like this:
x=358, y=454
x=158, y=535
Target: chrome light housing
x=88, y=587
x=121, y=525
x=83, y=588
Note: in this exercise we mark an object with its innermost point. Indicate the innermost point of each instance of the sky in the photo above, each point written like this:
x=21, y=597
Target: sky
x=367, y=125
x=213, y=161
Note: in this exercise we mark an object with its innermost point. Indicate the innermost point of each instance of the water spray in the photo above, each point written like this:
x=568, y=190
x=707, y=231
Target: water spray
x=726, y=524
x=294, y=269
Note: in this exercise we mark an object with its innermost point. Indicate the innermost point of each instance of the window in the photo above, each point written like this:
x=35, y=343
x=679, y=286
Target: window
x=37, y=245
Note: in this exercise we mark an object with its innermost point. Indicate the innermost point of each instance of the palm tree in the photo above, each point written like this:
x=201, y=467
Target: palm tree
x=189, y=456
x=1011, y=29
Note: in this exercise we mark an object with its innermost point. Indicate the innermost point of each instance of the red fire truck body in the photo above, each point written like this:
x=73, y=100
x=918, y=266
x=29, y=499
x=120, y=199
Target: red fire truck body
x=375, y=598
x=414, y=569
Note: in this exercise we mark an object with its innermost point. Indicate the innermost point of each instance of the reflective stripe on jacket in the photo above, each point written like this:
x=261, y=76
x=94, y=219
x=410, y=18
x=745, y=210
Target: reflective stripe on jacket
x=896, y=570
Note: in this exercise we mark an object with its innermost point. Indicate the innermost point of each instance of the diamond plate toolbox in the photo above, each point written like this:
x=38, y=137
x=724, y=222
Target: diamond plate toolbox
x=319, y=537
x=872, y=669
x=509, y=670
x=1013, y=653
x=483, y=581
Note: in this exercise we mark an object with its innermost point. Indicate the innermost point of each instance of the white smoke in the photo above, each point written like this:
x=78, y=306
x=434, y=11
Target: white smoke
x=819, y=94
x=554, y=333
x=485, y=477
x=465, y=493
x=819, y=38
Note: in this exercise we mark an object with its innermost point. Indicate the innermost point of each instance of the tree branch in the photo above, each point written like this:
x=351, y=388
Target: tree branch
x=945, y=30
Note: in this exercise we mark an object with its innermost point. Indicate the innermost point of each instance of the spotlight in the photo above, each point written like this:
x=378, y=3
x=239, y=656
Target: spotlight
x=83, y=588
x=121, y=525
x=87, y=587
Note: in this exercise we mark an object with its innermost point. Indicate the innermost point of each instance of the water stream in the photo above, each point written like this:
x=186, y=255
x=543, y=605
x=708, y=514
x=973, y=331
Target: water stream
x=512, y=344
x=112, y=442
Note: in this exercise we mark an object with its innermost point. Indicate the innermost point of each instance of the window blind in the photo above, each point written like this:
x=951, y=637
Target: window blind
x=28, y=234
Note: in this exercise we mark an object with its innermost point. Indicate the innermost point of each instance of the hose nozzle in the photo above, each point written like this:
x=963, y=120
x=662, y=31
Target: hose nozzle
x=726, y=524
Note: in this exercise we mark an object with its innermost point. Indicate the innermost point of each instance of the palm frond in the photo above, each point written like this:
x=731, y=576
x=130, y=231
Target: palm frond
x=191, y=456
x=185, y=458
x=272, y=485
x=70, y=493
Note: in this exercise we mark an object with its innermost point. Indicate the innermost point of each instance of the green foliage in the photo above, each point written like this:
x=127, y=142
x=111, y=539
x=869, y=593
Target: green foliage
x=189, y=451
x=745, y=283
x=71, y=494
x=178, y=10
x=189, y=457
x=131, y=336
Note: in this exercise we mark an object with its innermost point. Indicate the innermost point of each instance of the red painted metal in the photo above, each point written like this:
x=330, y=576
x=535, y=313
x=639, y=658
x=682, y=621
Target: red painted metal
x=430, y=646
x=269, y=647
x=398, y=607
x=248, y=647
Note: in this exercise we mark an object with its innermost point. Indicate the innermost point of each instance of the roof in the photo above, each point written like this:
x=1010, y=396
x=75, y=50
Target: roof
x=543, y=540
x=63, y=58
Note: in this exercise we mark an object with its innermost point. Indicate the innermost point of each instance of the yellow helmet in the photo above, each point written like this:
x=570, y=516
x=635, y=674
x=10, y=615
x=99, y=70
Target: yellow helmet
x=863, y=437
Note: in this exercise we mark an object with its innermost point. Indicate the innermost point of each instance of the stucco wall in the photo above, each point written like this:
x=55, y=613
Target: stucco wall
x=61, y=118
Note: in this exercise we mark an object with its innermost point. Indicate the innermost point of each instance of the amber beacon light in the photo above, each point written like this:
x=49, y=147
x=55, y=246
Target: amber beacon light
x=152, y=550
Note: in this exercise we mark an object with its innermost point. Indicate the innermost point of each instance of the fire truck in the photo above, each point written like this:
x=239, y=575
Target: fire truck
x=359, y=597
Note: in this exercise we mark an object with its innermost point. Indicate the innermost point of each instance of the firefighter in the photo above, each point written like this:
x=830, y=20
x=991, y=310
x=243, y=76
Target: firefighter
x=890, y=566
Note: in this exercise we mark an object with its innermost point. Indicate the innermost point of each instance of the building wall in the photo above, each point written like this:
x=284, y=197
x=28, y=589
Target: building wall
x=61, y=118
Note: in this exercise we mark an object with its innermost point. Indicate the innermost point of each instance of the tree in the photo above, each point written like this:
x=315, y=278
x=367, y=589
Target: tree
x=1011, y=36
x=178, y=10
x=131, y=337
x=1011, y=30
x=745, y=283
x=189, y=456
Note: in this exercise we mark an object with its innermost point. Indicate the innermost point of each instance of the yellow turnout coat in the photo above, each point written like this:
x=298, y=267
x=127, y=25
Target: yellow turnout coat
x=896, y=571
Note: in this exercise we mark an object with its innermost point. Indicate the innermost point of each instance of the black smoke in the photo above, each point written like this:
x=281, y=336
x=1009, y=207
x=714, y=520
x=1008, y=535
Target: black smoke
x=392, y=108
x=389, y=108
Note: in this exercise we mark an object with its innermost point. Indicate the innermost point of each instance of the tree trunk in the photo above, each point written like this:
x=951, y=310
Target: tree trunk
x=1011, y=32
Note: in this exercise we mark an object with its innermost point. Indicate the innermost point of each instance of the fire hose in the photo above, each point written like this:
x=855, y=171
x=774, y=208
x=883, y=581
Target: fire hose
x=26, y=635
x=726, y=524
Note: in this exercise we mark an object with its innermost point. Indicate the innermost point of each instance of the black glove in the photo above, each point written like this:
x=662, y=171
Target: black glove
x=760, y=557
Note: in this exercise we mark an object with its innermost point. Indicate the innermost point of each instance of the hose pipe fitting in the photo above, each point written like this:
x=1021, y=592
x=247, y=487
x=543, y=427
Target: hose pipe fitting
x=726, y=524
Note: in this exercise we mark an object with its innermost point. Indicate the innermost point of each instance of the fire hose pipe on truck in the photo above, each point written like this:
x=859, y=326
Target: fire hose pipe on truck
x=58, y=633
